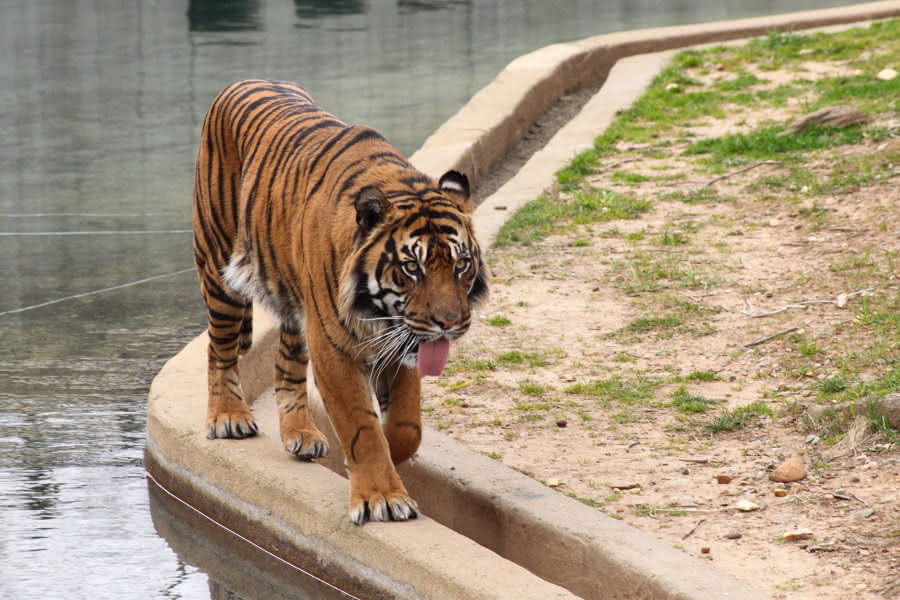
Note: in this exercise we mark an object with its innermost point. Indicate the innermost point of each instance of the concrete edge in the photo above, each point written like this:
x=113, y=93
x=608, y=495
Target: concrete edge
x=497, y=116
x=298, y=510
x=383, y=555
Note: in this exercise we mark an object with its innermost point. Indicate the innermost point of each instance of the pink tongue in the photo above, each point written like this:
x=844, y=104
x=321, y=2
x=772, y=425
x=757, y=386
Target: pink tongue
x=433, y=357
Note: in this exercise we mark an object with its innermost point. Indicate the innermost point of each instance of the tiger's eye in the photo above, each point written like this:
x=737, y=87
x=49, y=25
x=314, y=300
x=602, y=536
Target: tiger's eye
x=462, y=264
x=411, y=267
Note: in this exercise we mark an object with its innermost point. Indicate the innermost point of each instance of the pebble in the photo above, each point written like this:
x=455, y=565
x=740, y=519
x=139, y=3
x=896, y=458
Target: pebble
x=745, y=505
x=553, y=482
x=723, y=479
x=734, y=535
x=704, y=550
x=624, y=486
x=855, y=479
x=562, y=423
x=685, y=471
x=791, y=469
x=797, y=534
x=886, y=74
x=781, y=493
x=813, y=439
x=866, y=513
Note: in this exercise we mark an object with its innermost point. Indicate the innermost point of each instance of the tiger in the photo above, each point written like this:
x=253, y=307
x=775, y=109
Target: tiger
x=370, y=266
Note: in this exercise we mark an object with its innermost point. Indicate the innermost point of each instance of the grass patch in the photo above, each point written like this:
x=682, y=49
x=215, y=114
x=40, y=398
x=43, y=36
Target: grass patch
x=530, y=388
x=740, y=417
x=687, y=402
x=548, y=214
x=648, y=324
x=498, y=321
x=532, y=359
x=615, y=389
x=767, y=144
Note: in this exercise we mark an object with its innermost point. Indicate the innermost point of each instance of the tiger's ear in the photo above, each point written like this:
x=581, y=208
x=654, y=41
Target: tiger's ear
x=371, y=206
x=456, y=185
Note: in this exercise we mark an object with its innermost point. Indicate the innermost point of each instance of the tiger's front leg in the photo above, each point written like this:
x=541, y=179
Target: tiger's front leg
x=376, y=491
x=399, y=397
x=298, y=431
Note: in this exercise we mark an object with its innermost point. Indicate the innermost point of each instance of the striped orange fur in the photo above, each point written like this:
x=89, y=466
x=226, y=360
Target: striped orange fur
x=369, y=265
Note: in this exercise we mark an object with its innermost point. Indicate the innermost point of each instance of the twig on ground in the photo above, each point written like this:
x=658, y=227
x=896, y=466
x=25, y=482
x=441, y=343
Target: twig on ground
x=693, y=529
x=840, y=302
x=702, y=460
x=739, y=171
x=618, y=164
x=631, y=445
x=763, y=340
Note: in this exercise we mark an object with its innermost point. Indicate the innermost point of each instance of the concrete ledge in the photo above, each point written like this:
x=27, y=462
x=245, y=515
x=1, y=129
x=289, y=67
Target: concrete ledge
x=483, y=130
x=298, y=510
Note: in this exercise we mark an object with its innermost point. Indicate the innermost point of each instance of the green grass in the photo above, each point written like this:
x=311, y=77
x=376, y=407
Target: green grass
x=532, y=359
x=740, y=417
x=499, y=321
x=648, y=324
x=530, y=388
x=617, y=390
x=629, y=178
x=546, y=214
x=702, y=376
x=766, y=143
x=687, y=402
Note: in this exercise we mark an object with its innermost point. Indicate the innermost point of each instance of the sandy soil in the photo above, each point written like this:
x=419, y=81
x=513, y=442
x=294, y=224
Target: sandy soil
x=571, y=302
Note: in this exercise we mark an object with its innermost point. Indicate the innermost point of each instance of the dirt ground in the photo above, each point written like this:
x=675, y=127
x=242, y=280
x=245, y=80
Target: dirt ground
x=574, y=372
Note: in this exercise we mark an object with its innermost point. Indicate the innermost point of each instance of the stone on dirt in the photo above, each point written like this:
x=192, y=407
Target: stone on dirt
x=745, y=505
x=797, y=534
x=791, y=469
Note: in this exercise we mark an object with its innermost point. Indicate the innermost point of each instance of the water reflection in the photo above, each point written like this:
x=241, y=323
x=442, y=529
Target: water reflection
x=236, y=569
x=315, y=9
x=223, y=15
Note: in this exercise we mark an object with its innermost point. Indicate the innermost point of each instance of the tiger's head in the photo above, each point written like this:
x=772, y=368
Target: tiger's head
x=417, y=273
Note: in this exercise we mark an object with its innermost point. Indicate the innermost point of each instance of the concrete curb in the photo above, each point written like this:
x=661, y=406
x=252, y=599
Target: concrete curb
x=255, y=487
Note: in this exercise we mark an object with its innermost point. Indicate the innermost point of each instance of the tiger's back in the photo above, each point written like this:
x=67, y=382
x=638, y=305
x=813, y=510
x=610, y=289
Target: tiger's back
x=322, y=222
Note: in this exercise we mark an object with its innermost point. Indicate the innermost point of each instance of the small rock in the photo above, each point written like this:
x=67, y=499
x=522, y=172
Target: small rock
x=553, y=482
x=780, y=493
x=797, y=534
x=734, y=535
x=624, y=486
x=855, y=479
x=723, y=479
x=886, y=74
x=685, y=471
x=841, y=301
x=791, y=469
x=745, y=505
x=562, y=423
x=719, y=67
x=813, y=439
x=704, y=550
x=887, y=408
x=841, y=495
x=673, y=87
x=866, y=513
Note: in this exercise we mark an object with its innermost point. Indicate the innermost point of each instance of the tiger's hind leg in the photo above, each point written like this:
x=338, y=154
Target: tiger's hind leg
x=298, y=431
x=227, y=416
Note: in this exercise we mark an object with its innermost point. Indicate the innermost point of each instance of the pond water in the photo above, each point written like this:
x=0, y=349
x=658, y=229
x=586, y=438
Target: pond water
x=100, y=110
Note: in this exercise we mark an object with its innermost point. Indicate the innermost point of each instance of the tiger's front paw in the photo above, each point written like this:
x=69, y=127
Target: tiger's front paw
x=377, y=505
x=235, y=424
x=305, y=443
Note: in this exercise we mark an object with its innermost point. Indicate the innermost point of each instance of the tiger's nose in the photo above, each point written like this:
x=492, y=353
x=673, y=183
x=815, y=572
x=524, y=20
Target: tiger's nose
x=447, y=320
